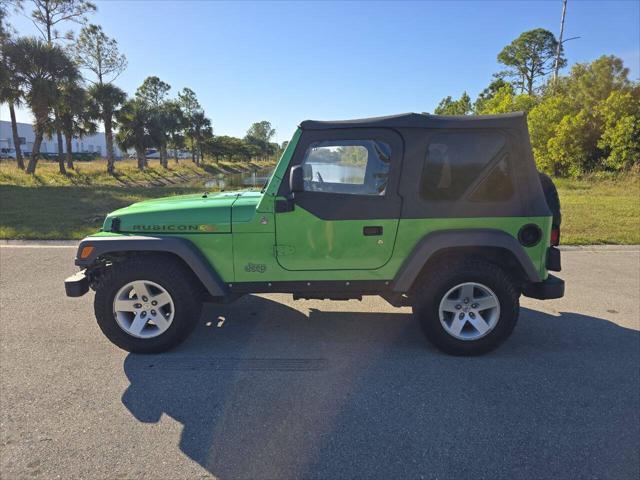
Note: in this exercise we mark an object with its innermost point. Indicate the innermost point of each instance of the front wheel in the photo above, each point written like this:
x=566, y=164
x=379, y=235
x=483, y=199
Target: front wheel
x=148, y=304
x=467, y=307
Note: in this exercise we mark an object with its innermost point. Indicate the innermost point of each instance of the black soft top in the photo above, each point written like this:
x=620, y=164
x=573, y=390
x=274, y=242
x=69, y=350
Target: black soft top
x=414, y=129
x=422, y=120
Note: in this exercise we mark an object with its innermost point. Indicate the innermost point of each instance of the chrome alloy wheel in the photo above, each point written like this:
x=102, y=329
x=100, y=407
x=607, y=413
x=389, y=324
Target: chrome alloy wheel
x=143, y=309
x=469, y=311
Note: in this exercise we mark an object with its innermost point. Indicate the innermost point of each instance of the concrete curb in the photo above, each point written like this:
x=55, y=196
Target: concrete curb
x=39, y=243
x=600, y=248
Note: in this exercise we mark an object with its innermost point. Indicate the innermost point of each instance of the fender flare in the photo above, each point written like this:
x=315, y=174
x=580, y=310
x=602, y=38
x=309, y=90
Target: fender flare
x=434, y=242
x=180, y=247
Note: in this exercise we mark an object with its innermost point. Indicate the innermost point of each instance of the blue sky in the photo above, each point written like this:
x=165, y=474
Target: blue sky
x=288, y=61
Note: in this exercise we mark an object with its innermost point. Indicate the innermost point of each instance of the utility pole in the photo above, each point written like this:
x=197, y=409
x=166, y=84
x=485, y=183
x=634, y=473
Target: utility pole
x=556, y=67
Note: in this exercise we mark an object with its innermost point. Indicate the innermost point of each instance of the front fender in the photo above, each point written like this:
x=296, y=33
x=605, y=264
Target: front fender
x=178, y=246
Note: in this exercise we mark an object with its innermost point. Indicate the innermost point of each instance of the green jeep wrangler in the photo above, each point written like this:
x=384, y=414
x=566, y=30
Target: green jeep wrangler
x=447, y=215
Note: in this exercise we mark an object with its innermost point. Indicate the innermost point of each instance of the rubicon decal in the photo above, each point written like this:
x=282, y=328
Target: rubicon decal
x=175, y=228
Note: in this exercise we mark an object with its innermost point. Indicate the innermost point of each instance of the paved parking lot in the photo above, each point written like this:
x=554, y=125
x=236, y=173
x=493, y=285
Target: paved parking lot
x=268, y=388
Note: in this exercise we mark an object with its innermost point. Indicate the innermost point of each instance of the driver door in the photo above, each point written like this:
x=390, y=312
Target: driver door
x=347, y=215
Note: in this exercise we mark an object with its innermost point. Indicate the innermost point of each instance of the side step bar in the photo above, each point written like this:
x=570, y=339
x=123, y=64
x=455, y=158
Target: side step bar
x=317, y=296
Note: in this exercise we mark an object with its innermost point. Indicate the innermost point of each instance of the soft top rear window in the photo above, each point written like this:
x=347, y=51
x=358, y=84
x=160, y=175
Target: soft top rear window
x=457, y=165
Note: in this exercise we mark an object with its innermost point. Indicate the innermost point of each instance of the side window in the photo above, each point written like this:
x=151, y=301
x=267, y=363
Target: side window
x=357, y=167
x=497, y=186
x=456, y=160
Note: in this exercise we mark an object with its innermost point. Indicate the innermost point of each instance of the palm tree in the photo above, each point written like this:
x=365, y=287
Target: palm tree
x=199, y=130
x=166, y=128
x=46, y=16
x=99, y=54
x=134, y=126
x=40, y=68
x=158, y=131
x=104, y=101
x=175, y=126
x=10, y=92
x=153, y=92
x=75, y=119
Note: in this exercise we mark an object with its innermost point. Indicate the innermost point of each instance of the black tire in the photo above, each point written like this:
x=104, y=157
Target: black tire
x=446, y=275
x=165, y=271
x=552, y=198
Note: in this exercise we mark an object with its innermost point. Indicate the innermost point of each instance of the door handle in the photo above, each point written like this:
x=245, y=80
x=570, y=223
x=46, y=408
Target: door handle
x=371, y=231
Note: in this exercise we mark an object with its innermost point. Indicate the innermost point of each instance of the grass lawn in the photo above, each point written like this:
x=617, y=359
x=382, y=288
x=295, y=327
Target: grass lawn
x=600, y=211
x=90, y=174
x=67, y=212
x=50, y=206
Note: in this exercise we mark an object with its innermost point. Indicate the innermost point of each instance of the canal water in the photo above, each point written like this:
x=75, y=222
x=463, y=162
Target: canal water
x=230, y=181
x=331, y=173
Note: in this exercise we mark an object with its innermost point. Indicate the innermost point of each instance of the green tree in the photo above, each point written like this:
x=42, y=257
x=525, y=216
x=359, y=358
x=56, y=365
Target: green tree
x=10, y=91
x=620, y=140
x=260, y=135
x=40, y=67
x=505, y=100
x=448, y=106
x=190, y=107
x=573, y=149
x=489, y=92
x=175, y=125
x=105, y=100
x=96, y=52
x=227, y=147
x=46, y=16
x=134, y=119
x=218, y=147
x=543, y=121
x=529, y=58
x=585, y=122
x=201, y=131
x=591, y=83
x=75, y=118
x=153, y=93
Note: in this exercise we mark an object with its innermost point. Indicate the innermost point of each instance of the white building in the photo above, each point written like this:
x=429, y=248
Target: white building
x=90, y=144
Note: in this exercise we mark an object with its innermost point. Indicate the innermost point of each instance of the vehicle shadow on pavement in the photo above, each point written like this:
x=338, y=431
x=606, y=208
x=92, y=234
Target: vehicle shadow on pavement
x=273, y=393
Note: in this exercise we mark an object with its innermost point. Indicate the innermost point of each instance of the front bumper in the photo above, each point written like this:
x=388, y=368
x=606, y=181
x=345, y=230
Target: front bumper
x=76, y=285
x=552, y=287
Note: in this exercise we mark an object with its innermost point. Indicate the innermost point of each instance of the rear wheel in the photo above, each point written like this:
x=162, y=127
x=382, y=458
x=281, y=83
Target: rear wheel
x=467, y=307
x=148, y=304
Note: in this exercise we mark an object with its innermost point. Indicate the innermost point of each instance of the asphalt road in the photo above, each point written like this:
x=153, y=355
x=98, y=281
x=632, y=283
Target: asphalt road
x=268, y=388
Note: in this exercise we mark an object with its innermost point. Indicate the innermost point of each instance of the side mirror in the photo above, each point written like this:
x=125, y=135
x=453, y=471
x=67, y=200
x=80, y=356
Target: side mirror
x=307, y=170
x=296, y=179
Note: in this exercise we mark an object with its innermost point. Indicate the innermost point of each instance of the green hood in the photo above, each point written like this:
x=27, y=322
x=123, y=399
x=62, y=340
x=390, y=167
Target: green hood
x=180, y=214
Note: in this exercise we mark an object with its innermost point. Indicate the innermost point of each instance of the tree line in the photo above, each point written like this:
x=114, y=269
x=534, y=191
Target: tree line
x=46, y=74
x=584, y=122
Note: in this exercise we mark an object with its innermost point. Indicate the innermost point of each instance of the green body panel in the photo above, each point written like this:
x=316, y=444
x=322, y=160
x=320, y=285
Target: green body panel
x=306, y=242
x=218, y=250
x=261, y=249
x=245, y=241
x=411, y=231
x=179, y=214
x=246, y=217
